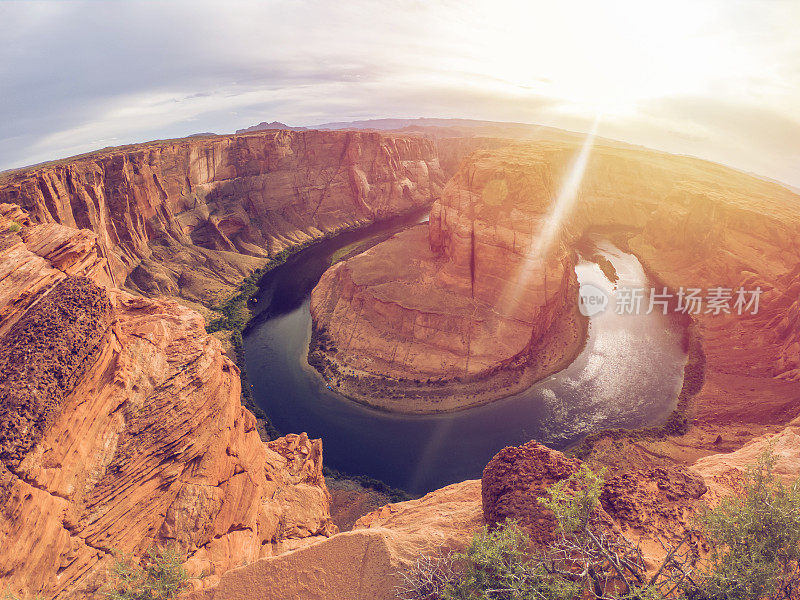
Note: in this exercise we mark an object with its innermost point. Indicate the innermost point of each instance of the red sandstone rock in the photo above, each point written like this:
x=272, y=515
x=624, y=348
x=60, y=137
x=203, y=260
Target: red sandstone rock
x=191, y=217
x=466, y=297
x=363, y=564
x=515, y=479
x=432, y=308
x=647, y=506
x=132, y=435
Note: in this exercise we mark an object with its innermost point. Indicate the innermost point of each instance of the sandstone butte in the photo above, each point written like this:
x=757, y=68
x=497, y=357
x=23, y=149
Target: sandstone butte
x=129, y=431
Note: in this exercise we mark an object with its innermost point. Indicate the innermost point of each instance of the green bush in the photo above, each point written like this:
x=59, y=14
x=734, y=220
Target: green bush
x=573, y=510
x=161, y=577
x=584, y=561
x=755, y=539
x=498, y=564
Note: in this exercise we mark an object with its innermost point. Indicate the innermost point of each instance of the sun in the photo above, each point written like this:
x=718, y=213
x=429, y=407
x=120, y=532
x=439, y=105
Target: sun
x=599, y=57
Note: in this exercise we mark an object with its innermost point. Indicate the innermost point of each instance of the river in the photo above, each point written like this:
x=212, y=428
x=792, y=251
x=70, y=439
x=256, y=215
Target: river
x=628, y=375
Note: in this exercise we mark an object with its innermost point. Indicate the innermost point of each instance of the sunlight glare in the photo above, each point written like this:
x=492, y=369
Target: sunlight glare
x=551, y=224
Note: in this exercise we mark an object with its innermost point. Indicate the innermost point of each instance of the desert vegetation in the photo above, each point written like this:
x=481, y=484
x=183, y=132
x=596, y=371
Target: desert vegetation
x=159, y=576
x=752, y=541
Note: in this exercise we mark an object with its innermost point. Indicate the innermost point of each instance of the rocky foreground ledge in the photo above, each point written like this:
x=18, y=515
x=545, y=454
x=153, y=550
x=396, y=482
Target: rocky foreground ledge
x=478, y=305
x=647, y=502
x=121, y=429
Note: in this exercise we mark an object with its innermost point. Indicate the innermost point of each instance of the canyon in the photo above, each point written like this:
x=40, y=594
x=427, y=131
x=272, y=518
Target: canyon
x=121, y=424
x=121, y=429
x=477, y=294
x=191, y=218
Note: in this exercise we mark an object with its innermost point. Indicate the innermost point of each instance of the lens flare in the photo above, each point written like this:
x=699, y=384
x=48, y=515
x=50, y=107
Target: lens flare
x=534, y=259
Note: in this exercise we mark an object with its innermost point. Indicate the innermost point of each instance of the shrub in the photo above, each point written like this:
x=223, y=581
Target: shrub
x=573, y=511
x=585, y=561
x=755, y=539
x=429, y=578
x=498, y=564
x=160, y=577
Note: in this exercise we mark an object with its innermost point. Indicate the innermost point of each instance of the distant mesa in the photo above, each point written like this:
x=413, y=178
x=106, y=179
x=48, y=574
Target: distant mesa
x=264, y=126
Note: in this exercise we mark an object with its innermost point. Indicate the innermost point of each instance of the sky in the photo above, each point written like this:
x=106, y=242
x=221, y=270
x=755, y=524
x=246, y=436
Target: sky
x=719, y=79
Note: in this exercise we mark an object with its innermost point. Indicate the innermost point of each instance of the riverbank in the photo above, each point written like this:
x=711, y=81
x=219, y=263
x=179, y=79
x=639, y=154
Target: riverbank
x=678, y=421
x=236, y=314
x=553, y=352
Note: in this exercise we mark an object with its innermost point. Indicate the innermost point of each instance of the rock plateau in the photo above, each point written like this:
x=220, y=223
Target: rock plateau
x=192, y=217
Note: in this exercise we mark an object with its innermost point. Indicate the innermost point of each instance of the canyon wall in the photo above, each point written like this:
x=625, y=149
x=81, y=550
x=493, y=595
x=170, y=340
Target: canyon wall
x=192, y=217
x=492, y=254
x=121, y=429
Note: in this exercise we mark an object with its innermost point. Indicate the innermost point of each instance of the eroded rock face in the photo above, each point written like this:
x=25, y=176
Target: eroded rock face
x=42, y=356
x=122, y=429
x=191, y=217
x=363, y=564
x=725, y=472
x=471, y=301
x=494, y=272
x=516, y=478
x=645, y=505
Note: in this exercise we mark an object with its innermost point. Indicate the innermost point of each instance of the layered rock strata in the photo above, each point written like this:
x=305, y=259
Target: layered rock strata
x=454, y=313
x=645, y=504
x=191, y=217
x=477, y=293
x=121, y=429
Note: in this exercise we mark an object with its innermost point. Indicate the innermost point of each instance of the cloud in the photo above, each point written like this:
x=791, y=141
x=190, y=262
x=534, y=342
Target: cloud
x=78, y=75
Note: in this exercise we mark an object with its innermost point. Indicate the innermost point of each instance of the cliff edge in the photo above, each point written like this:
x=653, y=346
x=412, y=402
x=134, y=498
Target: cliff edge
x=121, y=429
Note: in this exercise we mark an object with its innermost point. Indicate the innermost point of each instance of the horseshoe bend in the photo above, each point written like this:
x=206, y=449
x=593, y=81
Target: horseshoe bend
x=267, y=335
x=121, y=420
x=477, y=304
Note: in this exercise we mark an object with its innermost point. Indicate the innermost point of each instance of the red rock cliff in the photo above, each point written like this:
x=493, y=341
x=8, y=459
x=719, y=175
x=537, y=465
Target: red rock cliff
x=481, y=286
x=121, y=428
x=190, y=217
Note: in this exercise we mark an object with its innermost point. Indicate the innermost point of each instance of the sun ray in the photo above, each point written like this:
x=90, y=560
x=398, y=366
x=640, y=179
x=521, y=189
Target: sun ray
x=535, y=258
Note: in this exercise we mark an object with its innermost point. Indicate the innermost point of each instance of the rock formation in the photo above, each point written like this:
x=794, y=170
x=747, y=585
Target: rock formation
x=191, y=217
x=120, y=421
x=486, y=272
x=121, y=428
x=364, y=564
x=462, y=299
x=643, y=504
x=724, y=471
